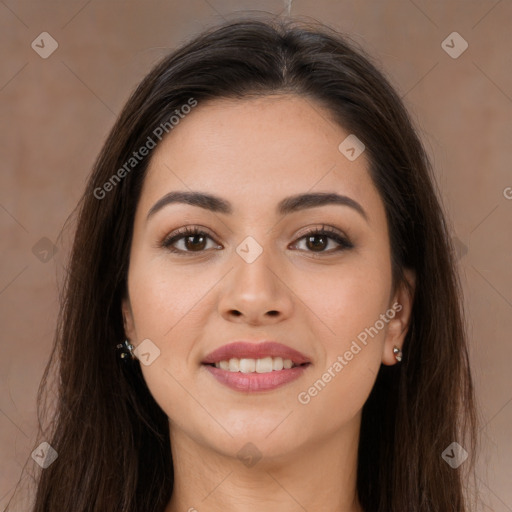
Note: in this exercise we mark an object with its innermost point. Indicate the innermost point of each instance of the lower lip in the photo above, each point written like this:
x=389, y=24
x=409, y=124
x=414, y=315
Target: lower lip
x=253, y=382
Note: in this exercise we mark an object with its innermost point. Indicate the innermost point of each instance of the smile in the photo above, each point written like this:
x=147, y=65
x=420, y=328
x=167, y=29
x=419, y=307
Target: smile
x=262, y=365
x=253, y=375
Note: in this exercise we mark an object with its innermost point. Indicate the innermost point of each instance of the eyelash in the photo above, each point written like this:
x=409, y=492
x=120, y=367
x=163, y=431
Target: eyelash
x=344, y=243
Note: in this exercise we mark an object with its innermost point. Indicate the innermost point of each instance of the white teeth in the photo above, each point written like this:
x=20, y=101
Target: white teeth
x=277, y=363
x=263, y=365
x=247, y=365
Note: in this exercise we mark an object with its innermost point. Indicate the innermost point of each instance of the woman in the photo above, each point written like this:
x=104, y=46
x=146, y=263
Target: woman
x=262, y=310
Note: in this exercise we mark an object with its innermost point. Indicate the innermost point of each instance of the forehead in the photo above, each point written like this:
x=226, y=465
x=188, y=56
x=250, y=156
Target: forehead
x=255, y=151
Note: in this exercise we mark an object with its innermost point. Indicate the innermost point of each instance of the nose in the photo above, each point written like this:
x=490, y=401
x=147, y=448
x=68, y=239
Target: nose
x=256, y=293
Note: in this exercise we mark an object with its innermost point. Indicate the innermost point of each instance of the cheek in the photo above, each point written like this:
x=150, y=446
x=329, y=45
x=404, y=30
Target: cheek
x=165, y=302
x=347, y=300
x=163, y=295
x=348, y=308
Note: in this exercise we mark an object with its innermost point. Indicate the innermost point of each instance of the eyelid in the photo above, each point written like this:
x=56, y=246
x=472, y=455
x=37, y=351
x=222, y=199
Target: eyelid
x=183, y=232
x=343, y=241
x=332, y=233
x=322, y=228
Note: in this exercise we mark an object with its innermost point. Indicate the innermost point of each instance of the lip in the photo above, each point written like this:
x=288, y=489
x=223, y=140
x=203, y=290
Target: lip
x=247, y=350
x=253, y=382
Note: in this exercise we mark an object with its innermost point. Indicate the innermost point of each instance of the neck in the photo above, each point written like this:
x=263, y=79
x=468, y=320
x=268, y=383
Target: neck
x=318, y=476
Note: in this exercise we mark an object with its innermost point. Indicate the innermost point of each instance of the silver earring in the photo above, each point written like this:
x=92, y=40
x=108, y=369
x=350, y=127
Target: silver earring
x=125, y=350
x=398, y=353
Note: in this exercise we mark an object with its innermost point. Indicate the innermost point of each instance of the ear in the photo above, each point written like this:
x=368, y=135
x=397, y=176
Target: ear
x=401, y=303
x=128, y=322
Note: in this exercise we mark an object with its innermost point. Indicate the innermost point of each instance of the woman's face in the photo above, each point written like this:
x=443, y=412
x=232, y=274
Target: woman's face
x=254, y=274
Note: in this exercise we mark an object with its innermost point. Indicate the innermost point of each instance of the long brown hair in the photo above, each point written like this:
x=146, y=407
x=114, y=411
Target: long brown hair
x=111, y=437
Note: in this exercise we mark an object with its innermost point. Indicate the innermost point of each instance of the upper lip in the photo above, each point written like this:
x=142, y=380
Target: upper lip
x=248, y=350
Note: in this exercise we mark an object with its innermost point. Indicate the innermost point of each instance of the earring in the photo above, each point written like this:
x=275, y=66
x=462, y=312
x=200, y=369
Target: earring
x=125, y=350
x=398, y=353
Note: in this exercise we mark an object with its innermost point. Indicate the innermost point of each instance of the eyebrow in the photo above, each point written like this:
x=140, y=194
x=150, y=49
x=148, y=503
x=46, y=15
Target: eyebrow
x=285, y=206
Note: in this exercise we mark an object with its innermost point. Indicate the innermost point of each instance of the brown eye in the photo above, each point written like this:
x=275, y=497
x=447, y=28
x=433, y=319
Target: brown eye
x=192, y=240
x=195, y=242
x=318, y=240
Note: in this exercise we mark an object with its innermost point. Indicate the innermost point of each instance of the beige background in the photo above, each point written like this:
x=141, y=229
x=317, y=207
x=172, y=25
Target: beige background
x=56, y=112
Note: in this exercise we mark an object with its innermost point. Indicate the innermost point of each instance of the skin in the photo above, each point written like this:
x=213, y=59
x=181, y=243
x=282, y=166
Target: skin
x=253, y=153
